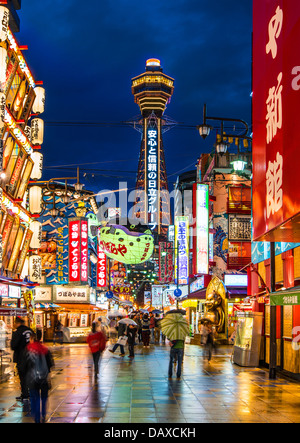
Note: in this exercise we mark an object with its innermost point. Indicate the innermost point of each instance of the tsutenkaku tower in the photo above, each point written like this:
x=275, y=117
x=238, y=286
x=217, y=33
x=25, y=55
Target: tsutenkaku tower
x=152, y=91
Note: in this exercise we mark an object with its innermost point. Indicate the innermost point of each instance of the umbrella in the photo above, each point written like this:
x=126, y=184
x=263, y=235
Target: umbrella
x=128, y=321
x=156, y=311
x=176, y=311
x=116, y=314
x=174, y=327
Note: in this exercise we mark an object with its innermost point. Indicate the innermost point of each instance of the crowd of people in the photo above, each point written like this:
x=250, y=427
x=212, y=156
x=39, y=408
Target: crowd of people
x=34, y=360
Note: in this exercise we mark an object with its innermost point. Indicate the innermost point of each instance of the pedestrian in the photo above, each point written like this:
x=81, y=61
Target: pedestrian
x=202, y=332
x=176, y=354
x=97, y=343
x=131, y=333
x=121, y=328
x=39, y=362
x=156, y=329
x=139, y=321
x=19, y=341
x=146, y=331
x=58, y=333
x=209, y=342
x=152, y=326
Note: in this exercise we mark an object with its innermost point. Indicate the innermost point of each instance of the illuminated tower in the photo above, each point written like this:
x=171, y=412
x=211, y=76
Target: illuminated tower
x=152, y=91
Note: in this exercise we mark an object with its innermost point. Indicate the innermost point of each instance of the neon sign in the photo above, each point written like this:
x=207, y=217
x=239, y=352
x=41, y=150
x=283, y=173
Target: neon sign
x=152, y=177
x=202, y=229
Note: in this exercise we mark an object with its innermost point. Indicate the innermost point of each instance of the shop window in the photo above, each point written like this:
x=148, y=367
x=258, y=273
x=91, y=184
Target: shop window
x=297, y=263
x=278, y=269
x=239, y=254
x=239, y=198
x=13, y=90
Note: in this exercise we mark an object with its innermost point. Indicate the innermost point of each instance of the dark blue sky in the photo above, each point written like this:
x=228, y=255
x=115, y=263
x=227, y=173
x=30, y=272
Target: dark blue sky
x=87, y=52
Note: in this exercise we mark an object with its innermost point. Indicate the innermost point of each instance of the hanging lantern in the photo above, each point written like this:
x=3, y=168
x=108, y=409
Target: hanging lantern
x=37, y=169
x=37, y=131
x=35, y=268
x=3, y=66
x=4, y=20
x=39, y=102
x=130, y=245
x=35, y=200
x=36, y=228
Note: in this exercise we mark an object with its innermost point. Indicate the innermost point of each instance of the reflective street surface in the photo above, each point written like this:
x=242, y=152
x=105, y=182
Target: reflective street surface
x=139, y=391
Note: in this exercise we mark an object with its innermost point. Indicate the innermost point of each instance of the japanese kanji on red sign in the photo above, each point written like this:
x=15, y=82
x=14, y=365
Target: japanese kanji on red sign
x=101, y=269
x=276, y=114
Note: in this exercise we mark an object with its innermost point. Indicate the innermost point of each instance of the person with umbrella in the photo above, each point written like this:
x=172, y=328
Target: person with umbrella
x=131, y=333
x=175, y=328
x=121, y=328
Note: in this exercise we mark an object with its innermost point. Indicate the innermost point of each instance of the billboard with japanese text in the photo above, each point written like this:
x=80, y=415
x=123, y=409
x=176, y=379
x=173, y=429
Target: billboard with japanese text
x=276, y=112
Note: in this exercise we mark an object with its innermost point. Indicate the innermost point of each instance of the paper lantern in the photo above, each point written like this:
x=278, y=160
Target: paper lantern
x=37, y=131
x=35, y=268
x=39, y=102
x=3, y=66
x=130, y=245
x=36, y=228
x=37, y=169
x=35, y=200
x=4, y=20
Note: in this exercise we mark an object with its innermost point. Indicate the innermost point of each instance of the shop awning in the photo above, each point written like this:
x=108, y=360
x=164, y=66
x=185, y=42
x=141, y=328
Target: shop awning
x=14, y=312
x=237, y=292
x=197, y=295
x=288, y=297
x=79, y=307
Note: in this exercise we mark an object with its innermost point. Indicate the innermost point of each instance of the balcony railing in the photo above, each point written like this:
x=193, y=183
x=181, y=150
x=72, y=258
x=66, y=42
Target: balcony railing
x=237, y=262
x=239, y=207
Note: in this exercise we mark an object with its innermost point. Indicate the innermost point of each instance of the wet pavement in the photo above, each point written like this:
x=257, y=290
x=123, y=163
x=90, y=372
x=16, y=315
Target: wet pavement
x=139, y=391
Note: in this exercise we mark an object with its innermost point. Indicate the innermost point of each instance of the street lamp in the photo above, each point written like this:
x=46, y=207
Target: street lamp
x=221, y=146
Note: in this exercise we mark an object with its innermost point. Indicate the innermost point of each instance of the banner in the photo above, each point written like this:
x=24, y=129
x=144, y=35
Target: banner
x=182, y=250
x=276, y=114
x=29, y=303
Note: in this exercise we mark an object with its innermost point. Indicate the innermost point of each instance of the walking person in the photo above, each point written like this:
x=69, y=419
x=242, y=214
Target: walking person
x=152, y=326
x=209, y=343
x=131, y=333
x=139, y=321
x=146, y=331
x=58, y=333
x=121, y=328
x=19, y=341
x=176, y=354
x=38, y=365
x=156, y=329
x=97, y=343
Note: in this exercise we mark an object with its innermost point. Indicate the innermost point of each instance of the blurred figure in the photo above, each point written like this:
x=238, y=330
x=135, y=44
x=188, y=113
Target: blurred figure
x=121, y=328
x=209, y=340
x=156, y=329
x=19, y=341
x=131, y=333
x=38, y=365
x=146, y=331
x=176, y=354
x=97, y=343
x=152, y=327
x=58, y=333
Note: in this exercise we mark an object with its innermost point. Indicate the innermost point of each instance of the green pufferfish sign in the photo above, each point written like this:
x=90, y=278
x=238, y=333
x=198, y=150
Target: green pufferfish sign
x=130, y=245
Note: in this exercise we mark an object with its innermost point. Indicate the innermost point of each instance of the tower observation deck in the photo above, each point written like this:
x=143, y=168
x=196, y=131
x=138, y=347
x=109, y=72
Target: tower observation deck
x=152, y=91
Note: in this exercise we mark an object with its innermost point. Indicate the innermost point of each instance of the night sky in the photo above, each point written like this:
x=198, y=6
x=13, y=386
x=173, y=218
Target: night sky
x=86, y=54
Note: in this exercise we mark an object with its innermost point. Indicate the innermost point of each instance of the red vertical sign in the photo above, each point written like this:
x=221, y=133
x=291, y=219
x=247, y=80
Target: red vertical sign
x=84, y=251
x=74, y=251
x=101, y=269
x=276, y=114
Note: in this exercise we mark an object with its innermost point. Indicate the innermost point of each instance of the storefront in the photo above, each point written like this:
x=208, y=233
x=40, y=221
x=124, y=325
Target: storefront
x=237, y=301
x=74, y=306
